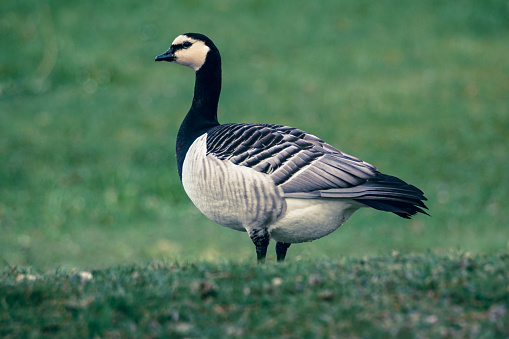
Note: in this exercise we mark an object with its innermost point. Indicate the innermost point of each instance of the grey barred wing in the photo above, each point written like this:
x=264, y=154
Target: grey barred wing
x=300, y=163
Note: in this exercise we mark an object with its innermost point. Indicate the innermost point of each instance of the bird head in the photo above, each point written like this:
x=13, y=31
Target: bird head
x=190, y=49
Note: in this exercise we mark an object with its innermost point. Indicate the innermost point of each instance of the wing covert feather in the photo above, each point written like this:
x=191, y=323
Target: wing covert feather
x=297, y=161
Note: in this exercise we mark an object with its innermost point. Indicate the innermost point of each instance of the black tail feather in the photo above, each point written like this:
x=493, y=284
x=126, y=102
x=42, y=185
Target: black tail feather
x=391, y=194
x=404, y=210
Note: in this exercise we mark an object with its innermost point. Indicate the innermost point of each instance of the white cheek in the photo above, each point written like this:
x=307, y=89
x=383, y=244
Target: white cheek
x=193, y=57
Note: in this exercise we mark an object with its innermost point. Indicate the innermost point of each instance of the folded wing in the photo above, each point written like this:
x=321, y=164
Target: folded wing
x=306, y=167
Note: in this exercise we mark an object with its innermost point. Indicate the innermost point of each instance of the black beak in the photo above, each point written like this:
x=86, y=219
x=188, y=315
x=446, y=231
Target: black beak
x=167, y=56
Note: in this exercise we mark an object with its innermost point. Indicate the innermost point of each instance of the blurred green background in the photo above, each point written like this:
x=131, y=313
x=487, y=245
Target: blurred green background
x=88, y=121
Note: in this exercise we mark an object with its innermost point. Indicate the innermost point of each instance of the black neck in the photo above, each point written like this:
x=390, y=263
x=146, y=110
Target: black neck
x=202, y=115
x=203, y=112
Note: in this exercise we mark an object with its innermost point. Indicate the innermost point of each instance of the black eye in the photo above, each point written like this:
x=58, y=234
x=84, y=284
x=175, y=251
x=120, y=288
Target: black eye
x=187, y=44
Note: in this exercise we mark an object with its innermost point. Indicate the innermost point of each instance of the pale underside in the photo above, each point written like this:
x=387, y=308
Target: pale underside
x=242, y=198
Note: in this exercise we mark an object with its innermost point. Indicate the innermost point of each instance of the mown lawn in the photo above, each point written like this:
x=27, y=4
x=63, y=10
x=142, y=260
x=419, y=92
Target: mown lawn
x=458, y=295
x=88, y=121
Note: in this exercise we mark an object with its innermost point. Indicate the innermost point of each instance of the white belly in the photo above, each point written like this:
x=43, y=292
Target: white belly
x=310, y=219
x=234, y=196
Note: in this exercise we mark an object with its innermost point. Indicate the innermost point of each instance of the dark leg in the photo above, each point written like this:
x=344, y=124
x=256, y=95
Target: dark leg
x=281, y=248
x=261, y=239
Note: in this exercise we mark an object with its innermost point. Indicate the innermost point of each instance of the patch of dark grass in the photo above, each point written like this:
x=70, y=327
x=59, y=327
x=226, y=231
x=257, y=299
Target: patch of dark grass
x=399, y=295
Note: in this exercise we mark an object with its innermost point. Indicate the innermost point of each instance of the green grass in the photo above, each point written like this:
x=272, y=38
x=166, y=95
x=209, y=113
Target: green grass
x=88, y=121
x=457, y=295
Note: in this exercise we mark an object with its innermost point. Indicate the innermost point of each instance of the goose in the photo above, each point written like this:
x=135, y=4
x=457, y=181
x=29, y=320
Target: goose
x=271, y=181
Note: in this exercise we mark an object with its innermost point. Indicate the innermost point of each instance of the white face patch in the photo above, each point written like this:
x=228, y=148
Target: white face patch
x=193, y=56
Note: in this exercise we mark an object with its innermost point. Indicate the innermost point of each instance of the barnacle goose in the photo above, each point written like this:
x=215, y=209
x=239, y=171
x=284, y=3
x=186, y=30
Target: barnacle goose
x=272, y=181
